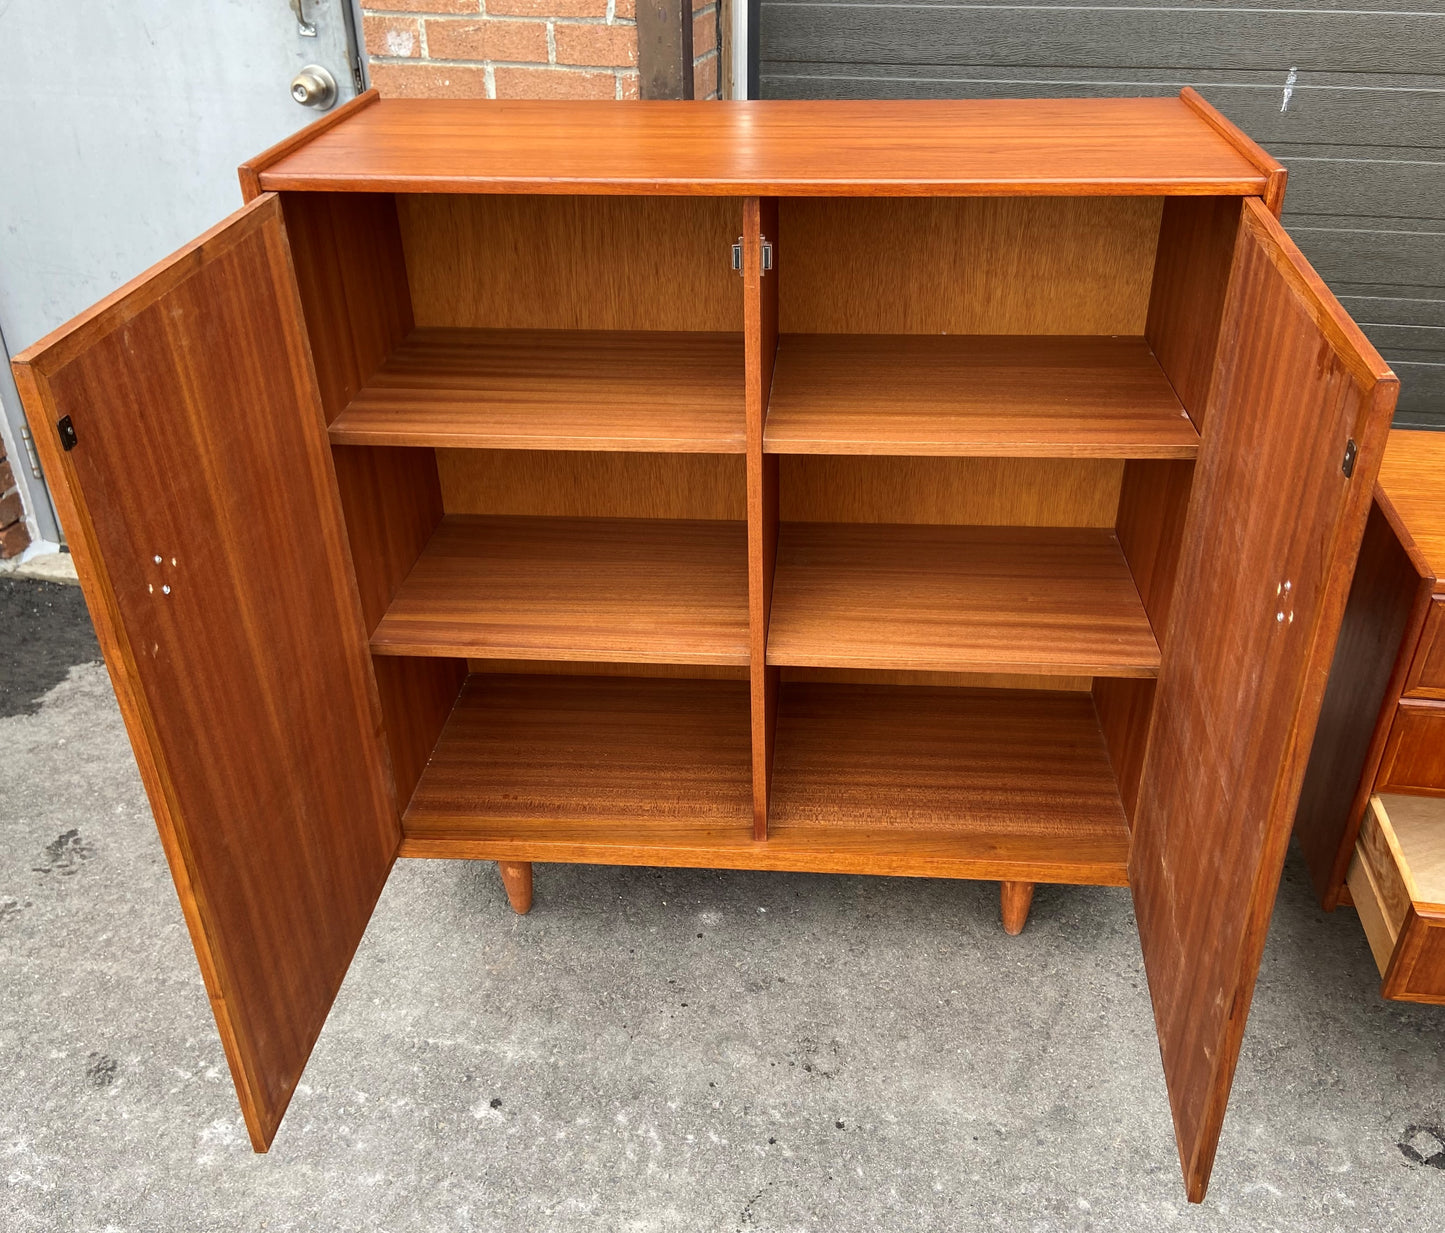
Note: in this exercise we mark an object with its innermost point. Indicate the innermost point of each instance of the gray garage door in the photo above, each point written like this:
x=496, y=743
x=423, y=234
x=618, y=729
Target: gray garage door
x=1352, y=100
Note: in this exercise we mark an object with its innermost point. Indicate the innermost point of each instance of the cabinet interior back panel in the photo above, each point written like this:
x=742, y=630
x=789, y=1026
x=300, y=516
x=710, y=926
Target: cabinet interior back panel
x=966, y=265
x=498, y=261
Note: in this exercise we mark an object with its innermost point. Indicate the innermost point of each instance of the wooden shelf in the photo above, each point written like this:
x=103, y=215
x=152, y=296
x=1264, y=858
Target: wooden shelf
x=554, y=390
x=576, y=761
x=928, y=782
x=1036, y=396
x=1010, y=784
x=957, y=599
x=601, y=589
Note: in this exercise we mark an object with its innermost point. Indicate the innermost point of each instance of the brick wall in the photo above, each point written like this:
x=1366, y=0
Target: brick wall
x=14, y=538
x=518, y=48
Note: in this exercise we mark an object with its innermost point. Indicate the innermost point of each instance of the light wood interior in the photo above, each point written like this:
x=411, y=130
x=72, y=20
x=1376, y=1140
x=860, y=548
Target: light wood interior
x=548, y=426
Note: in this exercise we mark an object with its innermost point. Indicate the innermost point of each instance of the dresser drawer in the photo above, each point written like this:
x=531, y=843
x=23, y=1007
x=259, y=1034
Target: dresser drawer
x=1397, y=880
x=1414, y=759
x=1427, y=670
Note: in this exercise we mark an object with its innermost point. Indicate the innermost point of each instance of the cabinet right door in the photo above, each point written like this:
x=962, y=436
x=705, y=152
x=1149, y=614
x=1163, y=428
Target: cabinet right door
x=1294, y=429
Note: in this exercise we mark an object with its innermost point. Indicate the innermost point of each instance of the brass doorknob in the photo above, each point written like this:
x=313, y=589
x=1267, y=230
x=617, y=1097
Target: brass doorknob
x=315, y=87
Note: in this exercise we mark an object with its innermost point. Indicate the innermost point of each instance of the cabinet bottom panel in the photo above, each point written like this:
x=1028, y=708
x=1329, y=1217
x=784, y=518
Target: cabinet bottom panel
x=1010, y=784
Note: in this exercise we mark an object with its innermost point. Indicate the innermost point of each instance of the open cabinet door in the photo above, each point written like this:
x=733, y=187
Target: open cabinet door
x=1269, y=549
x=180, y=425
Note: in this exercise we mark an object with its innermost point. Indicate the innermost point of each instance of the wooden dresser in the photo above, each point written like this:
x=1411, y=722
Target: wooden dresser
x=957, y=489
x=1372, y=813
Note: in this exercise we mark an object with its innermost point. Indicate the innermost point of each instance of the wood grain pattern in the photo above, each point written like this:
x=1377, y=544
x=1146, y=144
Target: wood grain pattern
x=971, y=265
x=568, y=484
x=233, y=598
x=598, y=771
x=989, y=395
x=586, y=263
x=569, y=588
x=620, y=755
x=1186, y=301
x=760, y=225
x=1411, y=477
x=1273, y=170
x=1427, y=669
x=1060, y=147
x=416, y=695
x=961, y=680
x=1125, y=707
x=992, y=767
x=554, y=390
x=351, y=273
x=1240, y=687
x=1414, y=759
x=1003, y=492
x=1366, y=676
x=250, y=171
x=957, y=599
x=1153, y=506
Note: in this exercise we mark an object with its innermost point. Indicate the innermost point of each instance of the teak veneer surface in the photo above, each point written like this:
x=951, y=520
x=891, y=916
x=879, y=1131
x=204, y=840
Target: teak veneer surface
x=927, y=782
x=615, y=752
x=597, y=589
x=554, y=389
x=971, y=599
x=1413, y=477
x=990, y=395
x=1000, y=146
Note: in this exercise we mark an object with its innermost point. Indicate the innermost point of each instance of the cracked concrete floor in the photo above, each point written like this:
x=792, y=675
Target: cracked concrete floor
x=665, y=1050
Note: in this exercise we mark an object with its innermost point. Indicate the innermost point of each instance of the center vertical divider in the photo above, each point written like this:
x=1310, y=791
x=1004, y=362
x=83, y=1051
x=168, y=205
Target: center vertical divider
x=760, y=340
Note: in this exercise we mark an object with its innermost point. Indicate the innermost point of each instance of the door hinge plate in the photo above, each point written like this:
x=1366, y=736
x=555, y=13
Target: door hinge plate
x=66, y=428
x=766, y=252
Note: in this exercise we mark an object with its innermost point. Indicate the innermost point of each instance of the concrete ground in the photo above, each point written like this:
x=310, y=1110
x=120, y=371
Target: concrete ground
x=656, y=1049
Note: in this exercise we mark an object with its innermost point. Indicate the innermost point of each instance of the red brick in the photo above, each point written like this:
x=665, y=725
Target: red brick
x=422, y=80
x=423, y=6
x=547, y=8
x=487, y=40
x=625, y=9
x=7, y=476
x=14, y=540
x=554, y=83
x=704, y=78
x=10, y=509
x=391, y=36
x=631, y=85
x=704, y=34
x=587, y=44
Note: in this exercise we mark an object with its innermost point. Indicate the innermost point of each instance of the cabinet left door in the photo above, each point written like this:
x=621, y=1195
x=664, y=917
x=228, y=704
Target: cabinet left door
x=181, y=427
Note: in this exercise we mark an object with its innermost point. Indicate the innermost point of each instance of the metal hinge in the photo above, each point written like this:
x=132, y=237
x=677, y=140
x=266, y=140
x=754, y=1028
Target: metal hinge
x=1348, y=466
x=29, y=442
x=66, y=428
x=767, y=255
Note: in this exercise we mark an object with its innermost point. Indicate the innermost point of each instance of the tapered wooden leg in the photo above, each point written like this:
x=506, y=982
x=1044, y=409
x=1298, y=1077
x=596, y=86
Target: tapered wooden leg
x=517, y=878
x=1015, y=899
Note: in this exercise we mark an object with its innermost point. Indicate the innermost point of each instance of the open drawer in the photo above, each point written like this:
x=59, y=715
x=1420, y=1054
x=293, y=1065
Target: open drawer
x=1397, y=880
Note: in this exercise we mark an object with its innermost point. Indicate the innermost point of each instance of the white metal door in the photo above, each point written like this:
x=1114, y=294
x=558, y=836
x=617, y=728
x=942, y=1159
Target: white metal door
x=122, y=123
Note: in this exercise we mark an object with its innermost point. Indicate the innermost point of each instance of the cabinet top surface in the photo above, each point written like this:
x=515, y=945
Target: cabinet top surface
x=1413, y=477
x=1140, y=146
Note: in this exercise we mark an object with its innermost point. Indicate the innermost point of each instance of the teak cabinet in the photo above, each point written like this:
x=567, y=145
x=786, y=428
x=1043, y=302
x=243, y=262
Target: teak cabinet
x=1371, y=816
x=939, y=489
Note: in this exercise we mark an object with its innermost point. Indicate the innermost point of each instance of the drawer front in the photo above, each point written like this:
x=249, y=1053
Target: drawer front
x=1414, y=758
x=1397, y=902
x=1427, y=670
